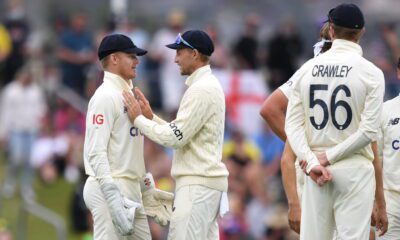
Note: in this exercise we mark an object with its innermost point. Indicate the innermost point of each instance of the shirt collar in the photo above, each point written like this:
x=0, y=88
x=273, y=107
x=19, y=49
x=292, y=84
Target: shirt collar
x=196, y=75
x=117, y=81
x=341, y=44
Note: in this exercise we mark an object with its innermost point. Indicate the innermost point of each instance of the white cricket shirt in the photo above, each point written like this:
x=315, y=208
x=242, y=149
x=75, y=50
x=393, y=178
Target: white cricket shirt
x=335, y=105
x=196, y=133
x=389, y=143
x=113, y=146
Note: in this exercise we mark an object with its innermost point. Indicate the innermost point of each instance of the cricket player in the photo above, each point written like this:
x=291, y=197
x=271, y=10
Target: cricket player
x=117, y=185
x=333, y=114
x=389, y=144
x=273, y=111
x=197, y=136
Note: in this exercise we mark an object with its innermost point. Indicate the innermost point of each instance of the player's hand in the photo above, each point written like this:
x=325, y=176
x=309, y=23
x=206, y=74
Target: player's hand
x=122, y=210
x=320, y=175
x=294, y=216
x=144, y=104
x=157, y=203
x=303, y=165
x=323, y=159
x=323, y=174
x=314, y=177
x=132, y=106
x=379, y=216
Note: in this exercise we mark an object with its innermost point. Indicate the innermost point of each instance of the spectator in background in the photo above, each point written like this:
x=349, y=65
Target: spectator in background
x=240, y=149
x=5, y=43
x=283, y=50
x=388, y=65
x=246, y=48
x=271, y=149
x=22, y=100
x=5, y=50
x=18, y=29
x=219, y=59
x=234, y=225
x=172, y=84
x=49, y=152
x=140, y=37
x=75, y=53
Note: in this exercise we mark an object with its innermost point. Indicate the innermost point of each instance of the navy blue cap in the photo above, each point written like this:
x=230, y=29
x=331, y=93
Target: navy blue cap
x=347, y=15
x=195, y=39
x=118, y=43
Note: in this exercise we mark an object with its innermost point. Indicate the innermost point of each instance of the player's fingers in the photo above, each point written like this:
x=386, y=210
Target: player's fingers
x=329, y=175
x=126, y=103
x=126, y=95
x=320, y=181
x=298, y=228
x=140, y=94
x=141, y=103
x=295, y=226
x=373, y=221
x=291, y=225
x=384, y=227
x=325, y=174
x=302, y=164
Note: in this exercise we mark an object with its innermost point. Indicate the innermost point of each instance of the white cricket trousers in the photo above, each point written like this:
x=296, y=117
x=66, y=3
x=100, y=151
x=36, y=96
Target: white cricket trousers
x=344, y=204
x=103, y=227
x=195, y=213
x=392, y=199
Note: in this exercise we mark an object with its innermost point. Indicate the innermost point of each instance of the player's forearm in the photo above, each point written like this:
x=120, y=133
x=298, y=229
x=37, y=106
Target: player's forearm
x=296, y=133
x=289, y=175
x=344, y=149
x=273, y=111
x=276, y=121
x=163, y=134
x=379, y=195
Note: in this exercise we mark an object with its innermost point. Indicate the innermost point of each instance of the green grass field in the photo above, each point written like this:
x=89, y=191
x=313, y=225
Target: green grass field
x=56, y=197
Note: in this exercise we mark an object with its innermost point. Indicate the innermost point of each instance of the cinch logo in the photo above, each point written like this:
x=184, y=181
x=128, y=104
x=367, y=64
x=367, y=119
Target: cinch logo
x=177, y=132
x=135, y=132
x=396, y=144
x=393, y=121
x=98, y=119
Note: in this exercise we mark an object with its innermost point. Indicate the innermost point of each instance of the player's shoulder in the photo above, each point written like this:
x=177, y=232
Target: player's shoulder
x=103, y=95
x=208, y=82
x=309, y=63
x=370, y=66
x=392, y=104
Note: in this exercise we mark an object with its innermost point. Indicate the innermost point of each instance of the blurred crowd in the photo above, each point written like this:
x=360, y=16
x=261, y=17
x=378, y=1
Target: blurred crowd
x=45, y=86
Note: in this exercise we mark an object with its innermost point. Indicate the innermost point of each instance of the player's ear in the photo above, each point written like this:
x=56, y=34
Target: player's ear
x=113, y=58
x=196, y=54
x=331, y=31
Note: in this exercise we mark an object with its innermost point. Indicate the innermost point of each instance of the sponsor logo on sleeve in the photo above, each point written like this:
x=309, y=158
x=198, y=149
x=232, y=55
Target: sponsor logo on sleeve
x=98, y=119
x=177, y=132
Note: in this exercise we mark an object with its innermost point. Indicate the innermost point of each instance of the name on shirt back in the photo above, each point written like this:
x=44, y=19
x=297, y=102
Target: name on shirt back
x=339, y=71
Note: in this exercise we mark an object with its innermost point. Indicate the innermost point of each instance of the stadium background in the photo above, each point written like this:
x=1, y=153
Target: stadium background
x=258, y=46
